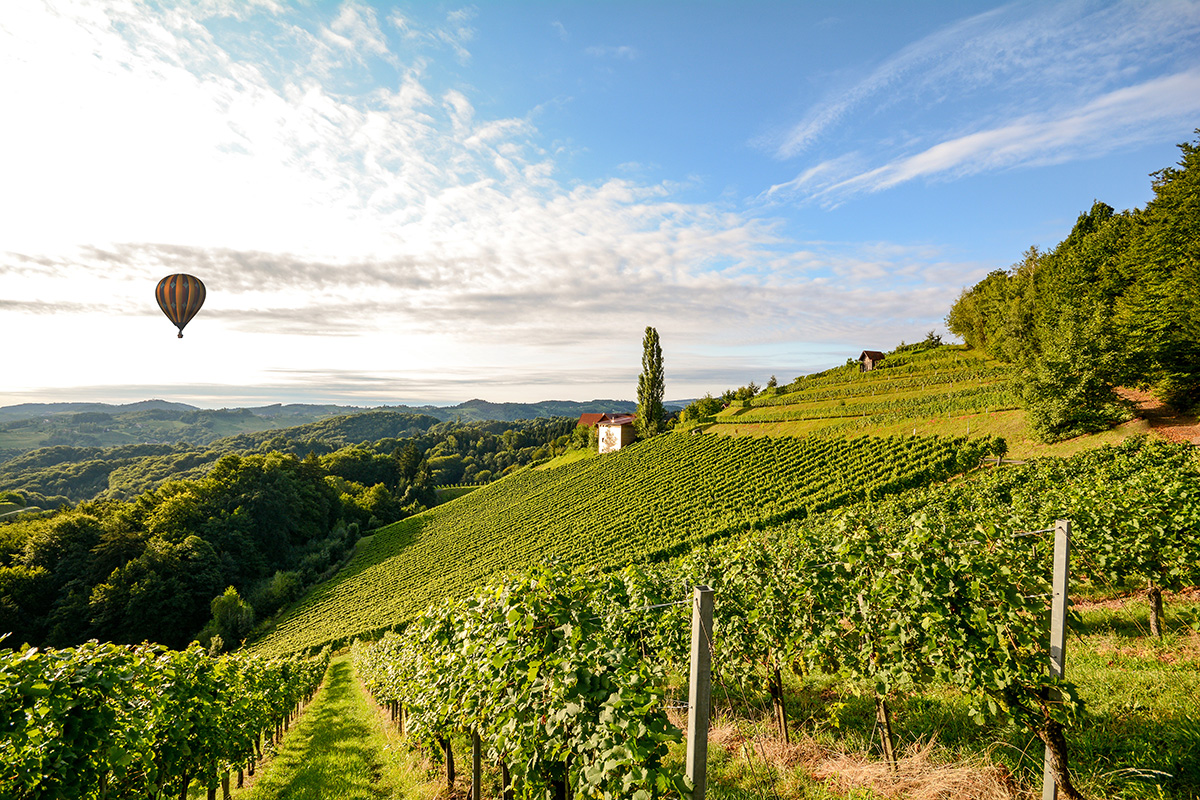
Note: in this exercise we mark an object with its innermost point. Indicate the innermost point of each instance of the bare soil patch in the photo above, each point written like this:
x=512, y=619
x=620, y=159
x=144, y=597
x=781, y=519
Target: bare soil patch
x=1164, y=420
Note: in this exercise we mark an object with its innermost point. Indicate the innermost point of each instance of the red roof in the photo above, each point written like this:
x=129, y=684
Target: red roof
x=591, y=419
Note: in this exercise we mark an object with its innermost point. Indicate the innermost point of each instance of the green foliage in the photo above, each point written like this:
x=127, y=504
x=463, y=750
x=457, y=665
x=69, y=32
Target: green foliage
x=378, y=447
x=932, y=585
x=1115, y=303
x=650, y=387
x=528, y=666
x=1069, y=386
x=932, y=341
x=700, y=410
x=994, y=396
x=147, y=568
x=930, y=372
x=111, y=721
x=674, y=492
x=581, y=436
x=232, y=617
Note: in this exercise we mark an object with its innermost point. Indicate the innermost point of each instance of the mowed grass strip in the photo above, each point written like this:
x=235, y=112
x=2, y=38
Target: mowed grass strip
x=336, y=751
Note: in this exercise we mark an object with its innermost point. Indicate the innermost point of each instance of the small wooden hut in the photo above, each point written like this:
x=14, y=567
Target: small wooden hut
x=869, y=360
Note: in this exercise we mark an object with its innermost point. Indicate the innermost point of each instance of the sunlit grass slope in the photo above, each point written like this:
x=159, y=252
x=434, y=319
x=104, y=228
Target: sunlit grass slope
x=643, y=502
x=945, y=391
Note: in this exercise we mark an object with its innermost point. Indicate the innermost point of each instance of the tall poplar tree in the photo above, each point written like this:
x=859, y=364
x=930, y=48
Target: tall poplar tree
x=650, y=387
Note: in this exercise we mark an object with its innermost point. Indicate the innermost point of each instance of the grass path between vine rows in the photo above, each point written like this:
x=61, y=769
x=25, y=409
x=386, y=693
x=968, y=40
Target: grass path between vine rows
x=339, y=750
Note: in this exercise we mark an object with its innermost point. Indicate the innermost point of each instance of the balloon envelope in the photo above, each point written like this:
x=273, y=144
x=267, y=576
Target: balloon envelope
x=180, y=297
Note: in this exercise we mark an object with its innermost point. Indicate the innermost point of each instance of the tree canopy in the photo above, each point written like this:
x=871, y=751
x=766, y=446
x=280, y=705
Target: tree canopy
x=1115, y=303
x=650, y=387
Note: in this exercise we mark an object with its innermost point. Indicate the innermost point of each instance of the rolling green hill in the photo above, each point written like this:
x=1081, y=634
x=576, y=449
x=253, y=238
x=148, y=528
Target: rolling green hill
x=34, y=426
x=643, y=502
x=948, y=390
x=63, y=473
x=814, y=444
x=30, y=426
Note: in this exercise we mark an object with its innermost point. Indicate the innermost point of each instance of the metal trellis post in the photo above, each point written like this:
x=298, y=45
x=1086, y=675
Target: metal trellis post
x=699, y=691
x=1058, y=630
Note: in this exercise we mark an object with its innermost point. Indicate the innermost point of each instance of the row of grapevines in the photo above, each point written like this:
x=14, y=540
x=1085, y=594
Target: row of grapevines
x=935, y=583
x=888, y=609
x=962, y=374
x=991, y=397
x=116, y=721
x=527, y=666
x=932, y=584
x=1136, y=507
x=658, y=497
x=558, y=673
x=895, y=366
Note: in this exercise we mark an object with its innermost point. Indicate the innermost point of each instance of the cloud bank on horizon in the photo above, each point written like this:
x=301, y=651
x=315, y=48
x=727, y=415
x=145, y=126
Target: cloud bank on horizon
x=390, y=204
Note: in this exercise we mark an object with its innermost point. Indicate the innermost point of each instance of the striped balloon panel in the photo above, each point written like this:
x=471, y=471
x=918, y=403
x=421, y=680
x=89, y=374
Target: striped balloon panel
x=180, y=297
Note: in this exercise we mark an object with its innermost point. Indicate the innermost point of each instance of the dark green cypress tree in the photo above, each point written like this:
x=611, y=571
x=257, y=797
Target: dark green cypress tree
x=650, y=387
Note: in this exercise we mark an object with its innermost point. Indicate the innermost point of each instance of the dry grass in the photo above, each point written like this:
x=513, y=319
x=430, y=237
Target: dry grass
x=919, y=776
x=921, y=772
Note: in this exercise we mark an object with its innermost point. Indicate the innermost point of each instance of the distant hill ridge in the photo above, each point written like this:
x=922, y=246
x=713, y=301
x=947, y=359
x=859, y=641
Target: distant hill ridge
x=30, y=410
x=471, y=410
x=30, y=426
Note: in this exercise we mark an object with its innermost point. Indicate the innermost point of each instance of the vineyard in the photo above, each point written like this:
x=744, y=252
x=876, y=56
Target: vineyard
x=942, y=391
x=848, y=382
x=883, y=584
x=644, y=503
x=557, y=674
x=107, y=721
x=978, y=398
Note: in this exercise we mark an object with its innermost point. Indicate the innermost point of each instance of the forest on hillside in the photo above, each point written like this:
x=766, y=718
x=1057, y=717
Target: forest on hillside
x=147, y=555
x=54, y=476
x=1116, y=303
x=32, y=426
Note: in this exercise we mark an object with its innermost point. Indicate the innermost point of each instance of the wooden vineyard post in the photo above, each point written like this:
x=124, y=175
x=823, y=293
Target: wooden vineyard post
x=476, y=767
x=699, y=691
x=449, y=764
x=883, y=719
x=506, y=780
x=1058, y=632
x=777, y=701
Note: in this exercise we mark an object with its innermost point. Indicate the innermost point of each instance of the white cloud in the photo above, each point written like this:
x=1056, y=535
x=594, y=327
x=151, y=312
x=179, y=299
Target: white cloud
x=1125, y=117
x=356, y=230
x=620, y=52
x=356, y=29
x=455, y=33
x=1024, y=84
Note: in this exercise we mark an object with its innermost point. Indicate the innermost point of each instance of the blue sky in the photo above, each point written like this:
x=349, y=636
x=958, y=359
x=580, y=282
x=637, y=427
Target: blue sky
x=410, y=202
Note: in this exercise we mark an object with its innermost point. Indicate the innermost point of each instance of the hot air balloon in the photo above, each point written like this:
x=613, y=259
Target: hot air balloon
x=180, y=297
